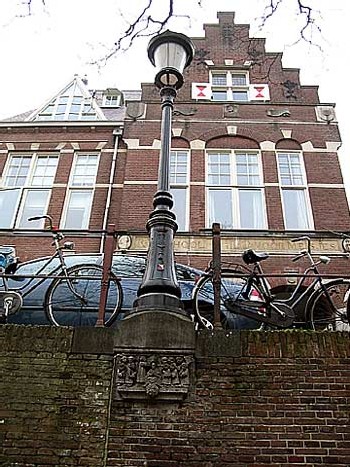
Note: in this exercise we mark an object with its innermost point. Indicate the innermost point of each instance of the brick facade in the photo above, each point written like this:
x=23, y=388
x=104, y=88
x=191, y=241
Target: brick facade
x=289, y=121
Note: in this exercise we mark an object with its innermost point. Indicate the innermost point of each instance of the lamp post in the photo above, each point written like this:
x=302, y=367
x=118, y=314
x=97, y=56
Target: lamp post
x=170, y=52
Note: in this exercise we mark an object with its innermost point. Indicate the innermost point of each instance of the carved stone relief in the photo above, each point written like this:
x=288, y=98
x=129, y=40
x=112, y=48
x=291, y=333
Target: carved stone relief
x=231, y=110
x=278, y=113
x=185, y=113
x=290, y=89
x=255, y=56
x=200, y=56
x=135, y=110
x=161, y=376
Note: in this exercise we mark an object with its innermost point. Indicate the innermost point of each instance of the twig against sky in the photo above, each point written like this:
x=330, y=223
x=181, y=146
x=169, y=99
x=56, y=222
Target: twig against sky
x=146, y=24
x=310, y=16
x=151, y=17
x=28, y=6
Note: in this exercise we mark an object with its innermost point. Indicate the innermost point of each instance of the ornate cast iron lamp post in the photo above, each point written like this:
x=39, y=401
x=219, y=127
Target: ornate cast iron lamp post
x=171, y=53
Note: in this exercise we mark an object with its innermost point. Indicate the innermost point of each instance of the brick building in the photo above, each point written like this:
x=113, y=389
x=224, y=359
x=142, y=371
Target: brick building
x=252, y=149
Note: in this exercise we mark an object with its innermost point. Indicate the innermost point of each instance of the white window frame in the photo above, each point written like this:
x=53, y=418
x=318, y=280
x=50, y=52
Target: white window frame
x=91, y=115
x=184, y=185
x=107, y=103
x=234, y=187
x=34, y=224
x=80, y=188
x=302, y=187
x=70, y=191
x=27, y=186
x=74, y=165
x=229, y=87
x=16, y=207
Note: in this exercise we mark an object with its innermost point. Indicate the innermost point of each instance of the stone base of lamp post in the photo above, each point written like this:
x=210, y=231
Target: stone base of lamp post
x=155, y=355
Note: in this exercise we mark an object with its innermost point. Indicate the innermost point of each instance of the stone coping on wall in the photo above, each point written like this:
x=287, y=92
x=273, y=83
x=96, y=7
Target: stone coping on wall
x=105, y=341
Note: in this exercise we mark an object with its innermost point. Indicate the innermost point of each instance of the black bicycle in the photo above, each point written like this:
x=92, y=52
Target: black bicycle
x=314, y=303
x=73, y=296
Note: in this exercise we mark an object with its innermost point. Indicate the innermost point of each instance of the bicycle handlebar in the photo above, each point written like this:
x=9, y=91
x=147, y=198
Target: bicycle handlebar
x=37, y=218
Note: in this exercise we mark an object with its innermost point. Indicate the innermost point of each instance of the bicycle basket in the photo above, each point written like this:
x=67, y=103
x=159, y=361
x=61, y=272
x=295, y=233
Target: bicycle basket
x=8, y=259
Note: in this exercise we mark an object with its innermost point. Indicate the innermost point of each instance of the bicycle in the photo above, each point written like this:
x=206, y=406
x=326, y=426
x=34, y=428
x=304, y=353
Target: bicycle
x=245, y=291
x=346, y=248
x=72, y=298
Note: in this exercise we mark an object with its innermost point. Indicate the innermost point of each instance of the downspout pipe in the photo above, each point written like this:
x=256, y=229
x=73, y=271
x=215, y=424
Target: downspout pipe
x=117, y=133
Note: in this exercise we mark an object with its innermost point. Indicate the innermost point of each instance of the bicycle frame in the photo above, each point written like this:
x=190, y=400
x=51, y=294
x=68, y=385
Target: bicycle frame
x=283, y=309
x=264, y=287
x=26, y=288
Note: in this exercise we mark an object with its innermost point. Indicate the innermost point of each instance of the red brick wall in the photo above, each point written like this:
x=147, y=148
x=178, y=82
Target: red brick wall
x=197, y=209
x=281, y=400
x=255, y=399
x=322, y=168
x=274, y=208
x=135, y=208
x=330, y=209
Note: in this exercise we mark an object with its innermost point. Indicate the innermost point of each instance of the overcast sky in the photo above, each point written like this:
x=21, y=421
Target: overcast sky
x=41, y=53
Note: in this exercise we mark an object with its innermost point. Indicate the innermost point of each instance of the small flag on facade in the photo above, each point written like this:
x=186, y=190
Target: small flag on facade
x=259, y=92
x=201, y=91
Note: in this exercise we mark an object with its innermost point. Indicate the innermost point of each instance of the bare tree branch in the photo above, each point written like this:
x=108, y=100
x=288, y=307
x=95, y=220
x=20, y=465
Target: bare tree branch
x=28, y=4
x=149, y=22
x=310, y=21
x=269, y=11
x=309, y=14
x=145, y=25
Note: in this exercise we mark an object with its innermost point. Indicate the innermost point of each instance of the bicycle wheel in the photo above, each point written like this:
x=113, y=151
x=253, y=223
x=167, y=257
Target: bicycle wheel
x=232, y=288
x=327, y=308
x=74, y=300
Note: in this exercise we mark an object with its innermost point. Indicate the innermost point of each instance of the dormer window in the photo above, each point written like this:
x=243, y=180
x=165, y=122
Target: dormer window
x=111, y=100
x=229, y=86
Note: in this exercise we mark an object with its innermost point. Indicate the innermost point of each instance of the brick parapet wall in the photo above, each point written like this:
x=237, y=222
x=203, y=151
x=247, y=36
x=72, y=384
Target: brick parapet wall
x=53, y=403
x=279, y=399
x=256, y=399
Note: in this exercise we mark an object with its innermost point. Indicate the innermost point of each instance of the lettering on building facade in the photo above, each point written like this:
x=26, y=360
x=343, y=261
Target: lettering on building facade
x=236, y=245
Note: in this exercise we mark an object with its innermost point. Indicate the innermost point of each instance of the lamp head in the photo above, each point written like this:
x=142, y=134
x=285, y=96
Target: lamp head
x=170, y=52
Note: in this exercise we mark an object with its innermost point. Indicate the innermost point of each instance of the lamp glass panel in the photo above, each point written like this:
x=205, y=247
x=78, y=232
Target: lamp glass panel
x=170, y=54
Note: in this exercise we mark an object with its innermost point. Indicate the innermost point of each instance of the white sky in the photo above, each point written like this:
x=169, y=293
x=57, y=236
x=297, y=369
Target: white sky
x=41, y=53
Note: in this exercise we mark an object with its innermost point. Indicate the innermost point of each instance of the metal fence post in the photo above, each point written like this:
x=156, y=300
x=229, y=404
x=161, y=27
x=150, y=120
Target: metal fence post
x=108, y=249
x=216, y=245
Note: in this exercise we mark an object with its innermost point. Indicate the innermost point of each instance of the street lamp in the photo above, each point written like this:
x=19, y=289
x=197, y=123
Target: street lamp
x=171, y=53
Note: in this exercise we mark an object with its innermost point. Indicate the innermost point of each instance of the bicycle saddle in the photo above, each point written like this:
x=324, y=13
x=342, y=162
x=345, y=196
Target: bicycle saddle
x=251, y=257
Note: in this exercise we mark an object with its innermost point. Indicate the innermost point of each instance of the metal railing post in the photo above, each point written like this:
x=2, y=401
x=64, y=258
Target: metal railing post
x=216, y=246
x=108, y=249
